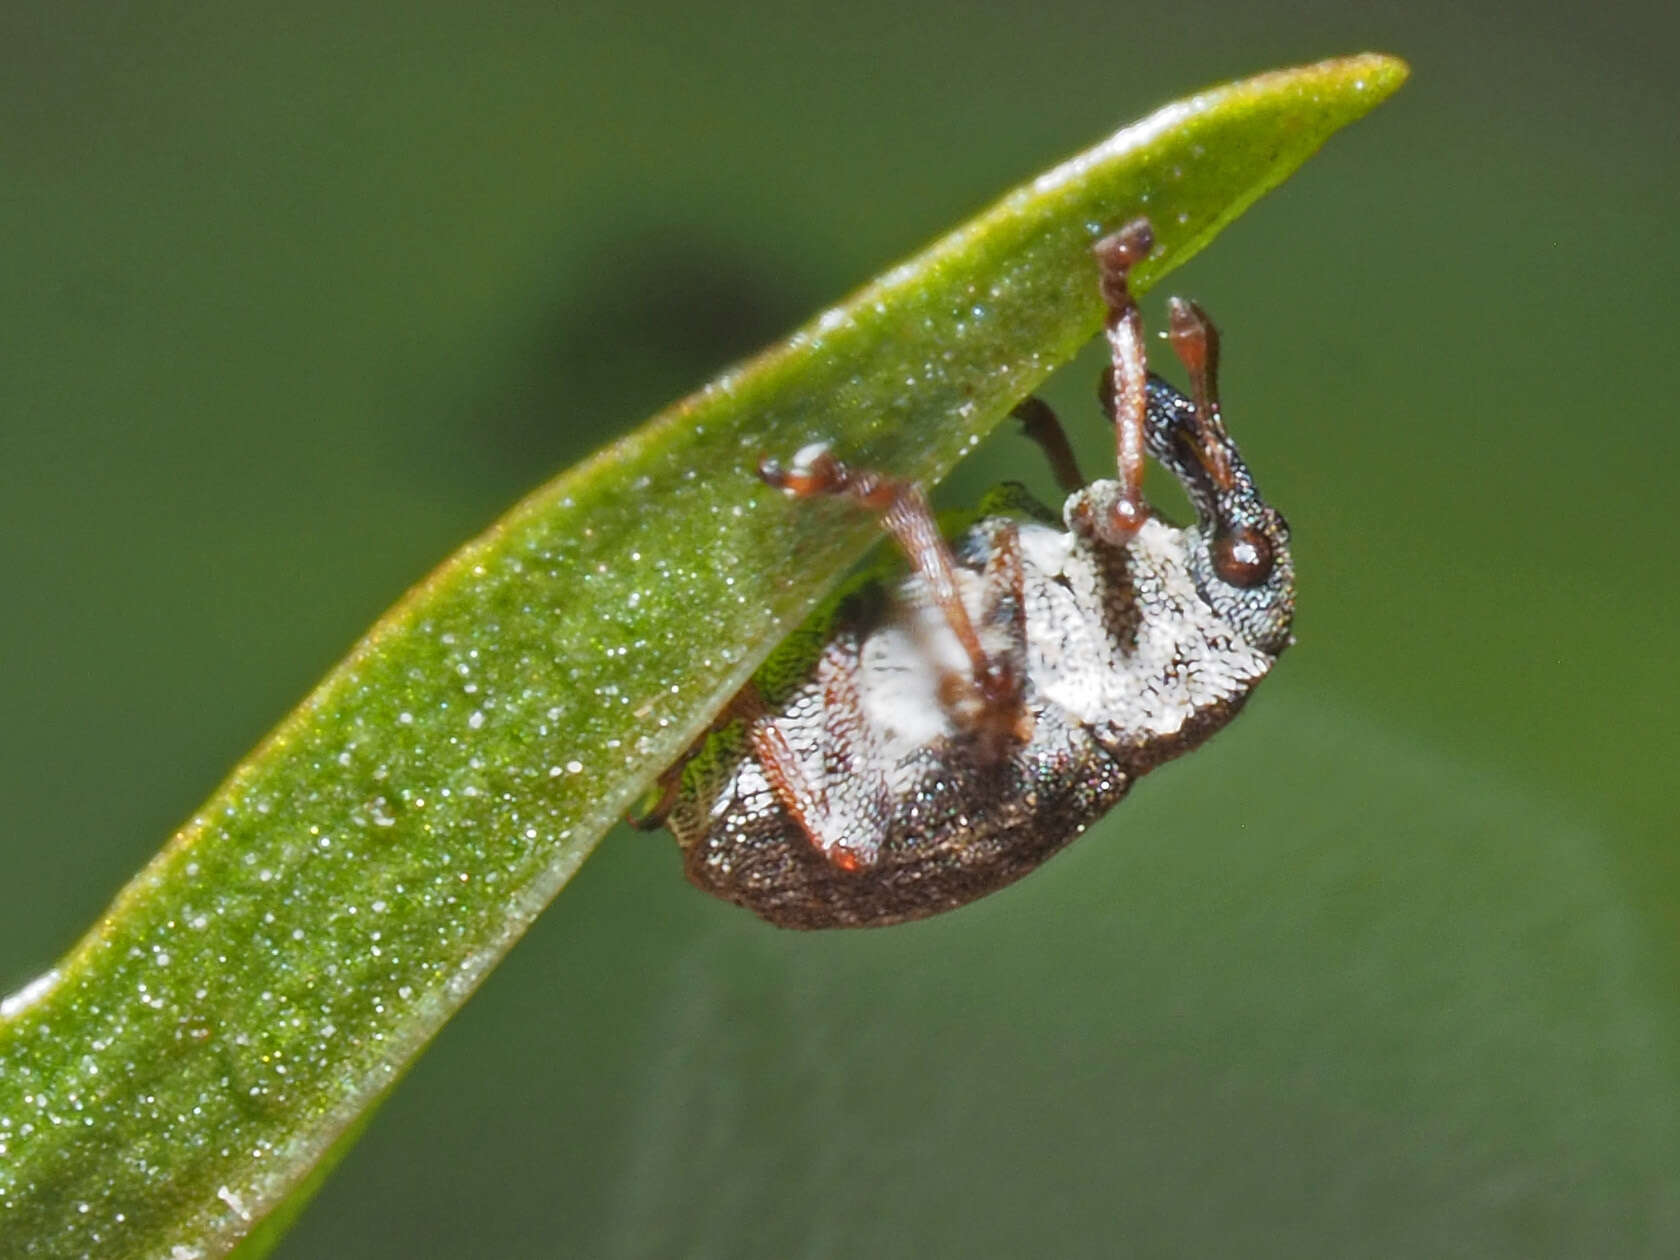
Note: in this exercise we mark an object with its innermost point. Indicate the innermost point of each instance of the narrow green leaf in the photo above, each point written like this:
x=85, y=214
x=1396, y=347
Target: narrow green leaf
x=268, y=976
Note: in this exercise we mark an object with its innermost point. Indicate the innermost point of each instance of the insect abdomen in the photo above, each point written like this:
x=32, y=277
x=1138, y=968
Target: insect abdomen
x=958, y=835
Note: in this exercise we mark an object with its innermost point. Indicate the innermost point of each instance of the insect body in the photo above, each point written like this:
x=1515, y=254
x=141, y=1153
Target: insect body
x=935, y=739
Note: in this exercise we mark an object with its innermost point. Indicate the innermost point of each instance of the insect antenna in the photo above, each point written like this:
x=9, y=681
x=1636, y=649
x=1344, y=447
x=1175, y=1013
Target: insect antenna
x=1196, y=343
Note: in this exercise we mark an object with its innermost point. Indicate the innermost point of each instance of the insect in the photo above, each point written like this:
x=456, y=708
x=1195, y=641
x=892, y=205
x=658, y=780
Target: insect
x=933, y=739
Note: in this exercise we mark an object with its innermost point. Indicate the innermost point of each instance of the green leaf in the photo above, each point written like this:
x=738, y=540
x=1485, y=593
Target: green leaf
x=269, y=975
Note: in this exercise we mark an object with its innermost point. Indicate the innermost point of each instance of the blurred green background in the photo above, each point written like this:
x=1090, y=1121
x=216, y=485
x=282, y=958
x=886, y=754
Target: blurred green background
x=295, y=301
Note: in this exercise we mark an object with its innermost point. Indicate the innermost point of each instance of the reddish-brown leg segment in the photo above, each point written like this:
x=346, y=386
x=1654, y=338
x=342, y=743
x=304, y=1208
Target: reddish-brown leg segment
x=1196, y=343
x=843, y=814
x=907, y=517
x=859, y=791
x=1117, y=254
x=785, y=773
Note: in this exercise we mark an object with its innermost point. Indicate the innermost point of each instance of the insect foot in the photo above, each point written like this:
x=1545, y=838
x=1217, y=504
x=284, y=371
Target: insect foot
x=931, y=737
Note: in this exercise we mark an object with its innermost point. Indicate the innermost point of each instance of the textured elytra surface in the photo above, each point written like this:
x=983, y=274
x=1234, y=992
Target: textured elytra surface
x=1127, y=664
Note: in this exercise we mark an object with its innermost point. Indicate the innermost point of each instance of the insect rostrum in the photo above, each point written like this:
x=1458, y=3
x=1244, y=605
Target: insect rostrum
x=930, y=740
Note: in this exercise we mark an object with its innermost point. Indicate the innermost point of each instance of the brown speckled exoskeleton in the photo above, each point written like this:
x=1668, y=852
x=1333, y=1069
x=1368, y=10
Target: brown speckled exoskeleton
x=929, y=740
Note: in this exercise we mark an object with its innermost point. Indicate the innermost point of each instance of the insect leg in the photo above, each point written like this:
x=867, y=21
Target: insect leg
x=905, y=513
x=1196, y=343
x=1006, y=607
x=1039, y=424
x=1117, y=254
x=808, y=804
x=854, y=767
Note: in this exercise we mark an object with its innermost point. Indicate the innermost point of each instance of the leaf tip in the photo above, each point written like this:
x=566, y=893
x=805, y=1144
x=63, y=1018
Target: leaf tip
x=1374, y=75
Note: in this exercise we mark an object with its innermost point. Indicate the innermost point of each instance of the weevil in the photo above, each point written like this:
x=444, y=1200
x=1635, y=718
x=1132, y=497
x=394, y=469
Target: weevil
x=933, y=739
